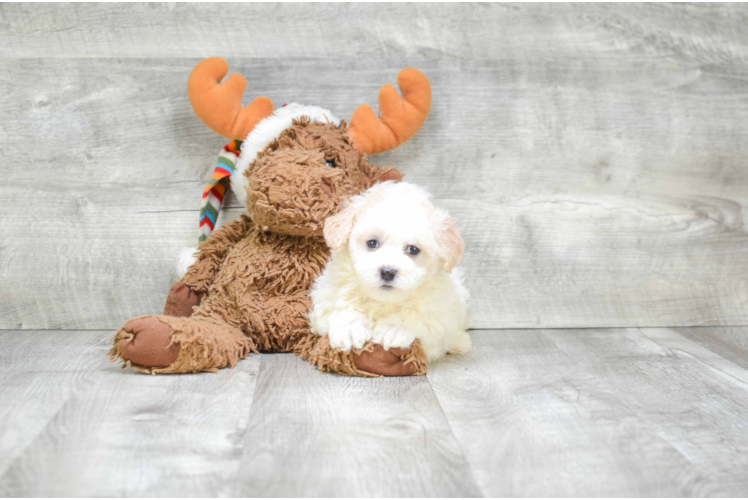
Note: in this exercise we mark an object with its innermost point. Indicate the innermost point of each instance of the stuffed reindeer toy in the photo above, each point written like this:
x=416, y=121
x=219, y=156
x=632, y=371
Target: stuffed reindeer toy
x=247, y=288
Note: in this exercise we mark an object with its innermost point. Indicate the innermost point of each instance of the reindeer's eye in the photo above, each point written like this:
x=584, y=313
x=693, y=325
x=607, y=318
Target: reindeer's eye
x=330, y=163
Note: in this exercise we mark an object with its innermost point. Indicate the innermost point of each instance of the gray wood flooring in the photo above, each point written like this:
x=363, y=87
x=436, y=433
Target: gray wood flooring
x=590, y=412
x=596, y=157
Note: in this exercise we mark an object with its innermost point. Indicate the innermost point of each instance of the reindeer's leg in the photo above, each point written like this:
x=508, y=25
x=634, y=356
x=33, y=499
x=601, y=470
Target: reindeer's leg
x=395, y=362
x=281, y=324
x=187, y=293
x=181, y=300
x=370, y=361
x=165, y=344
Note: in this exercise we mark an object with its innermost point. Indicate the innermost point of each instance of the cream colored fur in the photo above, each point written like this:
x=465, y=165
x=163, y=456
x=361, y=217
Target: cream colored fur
x=426, y=300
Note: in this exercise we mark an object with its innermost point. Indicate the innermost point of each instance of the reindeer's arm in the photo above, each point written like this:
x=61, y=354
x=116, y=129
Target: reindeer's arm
x=381, y=174
x=212, y=252
x=188, y=292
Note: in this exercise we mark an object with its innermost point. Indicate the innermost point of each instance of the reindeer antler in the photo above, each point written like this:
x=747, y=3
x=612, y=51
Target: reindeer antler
x=400, y=117
x=219, y=105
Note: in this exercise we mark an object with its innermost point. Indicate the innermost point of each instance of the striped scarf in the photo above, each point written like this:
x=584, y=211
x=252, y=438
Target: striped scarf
x=215, y=191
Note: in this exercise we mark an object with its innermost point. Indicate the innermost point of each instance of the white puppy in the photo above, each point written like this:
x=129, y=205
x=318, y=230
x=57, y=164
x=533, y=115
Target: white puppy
x=391, y=278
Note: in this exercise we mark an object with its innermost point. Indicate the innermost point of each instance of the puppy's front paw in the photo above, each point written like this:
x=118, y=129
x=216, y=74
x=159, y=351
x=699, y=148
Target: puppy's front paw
x=392, y=335
x=345, y=335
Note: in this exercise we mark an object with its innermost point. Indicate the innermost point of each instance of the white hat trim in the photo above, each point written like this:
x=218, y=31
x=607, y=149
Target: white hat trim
x=265, y=132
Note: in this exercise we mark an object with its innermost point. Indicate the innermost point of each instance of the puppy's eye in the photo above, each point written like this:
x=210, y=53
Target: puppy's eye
x=411, y=250
x=330, y=163
x=372, y=244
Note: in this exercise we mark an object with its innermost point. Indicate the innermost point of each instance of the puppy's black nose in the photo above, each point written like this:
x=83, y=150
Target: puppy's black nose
x=387, y=273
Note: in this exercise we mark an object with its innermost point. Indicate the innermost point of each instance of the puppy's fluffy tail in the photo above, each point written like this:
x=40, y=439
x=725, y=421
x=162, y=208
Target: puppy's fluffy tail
x=186, y=258
x=461, y=344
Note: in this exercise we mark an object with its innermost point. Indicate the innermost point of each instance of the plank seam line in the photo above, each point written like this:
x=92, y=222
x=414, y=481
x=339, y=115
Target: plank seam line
x=683, y=352
x=642, y=416
x=191, y=210
x=457, y=441
x=603, y=327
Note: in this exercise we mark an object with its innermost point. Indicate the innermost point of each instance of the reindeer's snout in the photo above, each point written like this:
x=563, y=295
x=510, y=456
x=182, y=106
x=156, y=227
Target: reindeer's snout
x=301, y=179
x=327, y=187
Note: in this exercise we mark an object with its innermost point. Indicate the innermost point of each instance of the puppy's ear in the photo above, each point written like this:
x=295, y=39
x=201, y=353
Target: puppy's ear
x=386, y=174
x=338, y=227
x=450, y=243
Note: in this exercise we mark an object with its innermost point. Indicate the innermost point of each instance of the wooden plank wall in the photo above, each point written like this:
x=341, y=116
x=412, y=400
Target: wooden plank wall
x=596, y=156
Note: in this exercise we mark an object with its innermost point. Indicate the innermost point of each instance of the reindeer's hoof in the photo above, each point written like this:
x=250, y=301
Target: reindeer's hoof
x=382, y=362
x=151, y=346
x=181, y=300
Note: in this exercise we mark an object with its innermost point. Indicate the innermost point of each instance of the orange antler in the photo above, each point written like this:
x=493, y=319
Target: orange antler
x=400, y=117
x=219, y=105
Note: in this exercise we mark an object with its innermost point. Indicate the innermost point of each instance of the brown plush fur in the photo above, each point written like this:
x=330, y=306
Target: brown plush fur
x=181, y=300
x=370, y=361
x=250, y=284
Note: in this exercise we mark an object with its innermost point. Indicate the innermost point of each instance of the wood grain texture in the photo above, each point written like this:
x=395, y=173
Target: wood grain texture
x=595, y=156
x=479, y=31
x=730, y=342
x=551, y=240
x=113, y=432
x=324, y=435
x=39, y=372
x=597, y=413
